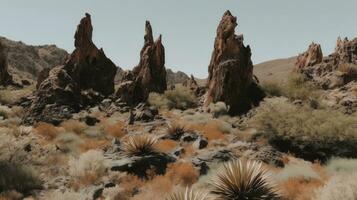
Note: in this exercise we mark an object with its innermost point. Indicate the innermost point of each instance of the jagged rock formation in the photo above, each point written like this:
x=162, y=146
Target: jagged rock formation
x=334, y=70
x=173, y=78
x=311, y=57
x=231, y=70
x=192, y=84
x=5, y=77
x=149, y=75
x=25, y=62
x=86, y=78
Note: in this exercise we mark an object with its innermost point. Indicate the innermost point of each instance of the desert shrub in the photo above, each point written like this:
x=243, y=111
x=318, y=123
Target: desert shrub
x=17, y=177
x=342, y=165
x=308, y=133
x=179, y=98
x=46, y=130
x=339, y=187
x=74, y=126
x=297, y=170
x=89, y=164
x=188, y=194
x=218, y=109
x=140, y=145
x=166, y=145
x=68, y=142
x=182, y=173
x=117, y=130
x=9, y=96
x=273, y=88
x=68, y=195
x=240, y=179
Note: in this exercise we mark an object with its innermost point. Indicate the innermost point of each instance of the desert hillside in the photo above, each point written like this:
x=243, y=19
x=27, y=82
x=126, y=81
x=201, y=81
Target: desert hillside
x=274, y=70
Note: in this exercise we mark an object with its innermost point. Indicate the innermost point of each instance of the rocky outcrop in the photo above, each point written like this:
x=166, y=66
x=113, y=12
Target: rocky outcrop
x=332, y=71
x=192, y=84
x=174, y=78
x=5, y=77
x=85, y=79
x=311, y=57
x=149, y=75
x=231, y=77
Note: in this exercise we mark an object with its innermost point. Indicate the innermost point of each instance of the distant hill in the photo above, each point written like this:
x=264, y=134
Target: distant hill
x=274, y=70
x=26, y=61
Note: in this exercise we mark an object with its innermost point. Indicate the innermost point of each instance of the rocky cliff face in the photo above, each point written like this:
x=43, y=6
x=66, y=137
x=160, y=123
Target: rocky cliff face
x=149, y=75
x=25, y=62
x=86, y=78
x=5, y=77
x=231, y=70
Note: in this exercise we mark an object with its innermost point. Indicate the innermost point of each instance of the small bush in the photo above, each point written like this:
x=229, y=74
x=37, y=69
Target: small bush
x=166, y=146
x=68, y=142
x=339, y=187
x=46, y=130
x=90, y=163
x=297, y=170
x=179, y=98
x=9, y=96
x=308, y=133
x=273, y=88
x=74, y=126
x=218, y=109
x=140, y=145
x=17, y=177
x=243, y=180
x=343, y=165
x=182, y=173
x=117, y=130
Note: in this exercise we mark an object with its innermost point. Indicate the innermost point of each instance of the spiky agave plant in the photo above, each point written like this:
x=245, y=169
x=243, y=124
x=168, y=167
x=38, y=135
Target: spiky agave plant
x=140, y=145
x=175, y=131
x=243, y=180
x=189, y=194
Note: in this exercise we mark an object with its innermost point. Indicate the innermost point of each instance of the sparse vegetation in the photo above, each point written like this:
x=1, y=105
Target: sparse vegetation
x=342, y=165
x=9, y=96
x=16, y=177
x=140, y=145
x=308, y=133
x=180, y=98
x=297, y=170
x=188, y=194
x=46, y=130
x=239, y=179
x=74, y=126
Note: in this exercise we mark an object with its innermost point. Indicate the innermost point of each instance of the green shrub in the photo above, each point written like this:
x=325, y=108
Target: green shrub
x=16, y=177
x=179, y=98
x=309, y=133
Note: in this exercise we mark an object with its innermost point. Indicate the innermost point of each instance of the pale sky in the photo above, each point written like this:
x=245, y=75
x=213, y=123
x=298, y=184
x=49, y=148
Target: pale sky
x=273, y=28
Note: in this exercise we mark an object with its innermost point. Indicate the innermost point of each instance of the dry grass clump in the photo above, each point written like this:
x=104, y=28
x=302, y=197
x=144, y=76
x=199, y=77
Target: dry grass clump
x=301, y=169
x=46, y=130
x=180, y=98
x=188, y=194
x=240, y=179
x=218, y=109
x=88, y=168
x=17, y=177
x=182, y=173
x=90, y=144
x=306, y=132
x=344, y=165
x=166, y=145
x=67, y=195
x=299, y=188
x=343, y=186
x=68, y=142
x=117, y=130
x=140, y=145
x=10, y=96
x=74, y=126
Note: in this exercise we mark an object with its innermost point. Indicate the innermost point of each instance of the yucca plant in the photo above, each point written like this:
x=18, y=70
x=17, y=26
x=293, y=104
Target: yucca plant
x=243, y=180
x=189, y=194
x=140, y=145
x=175, y=131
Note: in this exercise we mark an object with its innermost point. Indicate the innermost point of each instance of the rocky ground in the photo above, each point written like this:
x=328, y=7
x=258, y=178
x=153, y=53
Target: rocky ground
x=142, y=137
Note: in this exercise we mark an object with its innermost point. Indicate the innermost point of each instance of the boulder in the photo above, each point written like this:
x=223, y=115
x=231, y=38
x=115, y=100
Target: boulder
x=230, y=71
x=149, y=75
x=86, y=79
x=5, y=77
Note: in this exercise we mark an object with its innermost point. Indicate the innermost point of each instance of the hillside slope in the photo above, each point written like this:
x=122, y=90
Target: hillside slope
x=274, y=70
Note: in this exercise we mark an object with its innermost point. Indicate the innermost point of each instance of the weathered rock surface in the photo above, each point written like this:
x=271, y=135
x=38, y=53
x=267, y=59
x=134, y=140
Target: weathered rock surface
x=191, y=83
x=5, y=77
x=311, y=57
x=231, y=77
x=344, y=98
x=149, y=75
x=86, y=78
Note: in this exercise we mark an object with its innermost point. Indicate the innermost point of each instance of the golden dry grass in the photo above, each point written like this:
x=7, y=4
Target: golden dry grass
x=46, y=130
x=117, y=130
x=166, y=145
x=74, y=126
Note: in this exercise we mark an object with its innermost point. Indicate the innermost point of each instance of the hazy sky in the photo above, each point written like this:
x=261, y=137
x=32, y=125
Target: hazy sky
x=273, y=28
